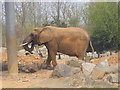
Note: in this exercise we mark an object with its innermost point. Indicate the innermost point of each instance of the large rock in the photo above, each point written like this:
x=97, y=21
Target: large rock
x=87, y=81
x=98, y=83
x=111, y=69
x=63, y=70
x=75, y=80
x=113, y=78
x=87, y=68
x=75, y=63
x=98, y=73
x=28, y=68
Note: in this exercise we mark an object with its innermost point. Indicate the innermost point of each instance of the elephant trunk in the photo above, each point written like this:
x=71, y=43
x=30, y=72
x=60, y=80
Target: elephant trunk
x=26, y=44
x=26, y=47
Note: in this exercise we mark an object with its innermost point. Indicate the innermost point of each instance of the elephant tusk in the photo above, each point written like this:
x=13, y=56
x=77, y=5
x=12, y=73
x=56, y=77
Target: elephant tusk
x=29, y=45
x=23, y=44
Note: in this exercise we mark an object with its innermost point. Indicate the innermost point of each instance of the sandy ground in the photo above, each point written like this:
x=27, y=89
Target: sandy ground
x=25, y=80
x=41, y=78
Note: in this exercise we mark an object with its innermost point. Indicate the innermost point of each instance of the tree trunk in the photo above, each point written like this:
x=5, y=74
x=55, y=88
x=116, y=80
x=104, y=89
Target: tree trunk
x=98, y=54
x=110, y=52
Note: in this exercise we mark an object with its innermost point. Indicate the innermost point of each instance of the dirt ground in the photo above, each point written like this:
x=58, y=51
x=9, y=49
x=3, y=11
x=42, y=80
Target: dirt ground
x=41, y=78
x=26, y=80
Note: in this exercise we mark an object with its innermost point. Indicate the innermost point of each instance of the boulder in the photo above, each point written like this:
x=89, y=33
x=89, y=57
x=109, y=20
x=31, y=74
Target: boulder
x=28, y=68
x=75, y=63
x=63, y=70
x=96, y=83
x=88, y=81
x=111, y=69
x=87, y=68
x=75, y=80
x=113, y=78
x=98, y=73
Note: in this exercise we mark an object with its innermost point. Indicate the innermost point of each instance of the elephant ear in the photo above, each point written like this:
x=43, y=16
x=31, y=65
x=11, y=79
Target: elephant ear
x=46, y=35
x=38, y=30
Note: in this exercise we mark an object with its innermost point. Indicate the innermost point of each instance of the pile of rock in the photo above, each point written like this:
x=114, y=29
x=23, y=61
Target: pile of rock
x=94, y=73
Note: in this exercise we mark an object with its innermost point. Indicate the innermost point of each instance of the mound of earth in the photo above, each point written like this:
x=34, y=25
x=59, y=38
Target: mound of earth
x=30, y=61
x=27, y=63
x=112, y=60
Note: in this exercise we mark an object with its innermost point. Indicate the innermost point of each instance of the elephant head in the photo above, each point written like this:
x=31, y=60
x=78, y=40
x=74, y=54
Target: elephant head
x=37, y=37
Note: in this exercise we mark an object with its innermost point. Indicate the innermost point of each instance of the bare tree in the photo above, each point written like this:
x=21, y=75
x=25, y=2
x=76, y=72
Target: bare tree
x=38, y=14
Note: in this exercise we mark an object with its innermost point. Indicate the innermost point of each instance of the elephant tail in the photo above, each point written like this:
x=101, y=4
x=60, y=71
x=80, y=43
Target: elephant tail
x=91, y=47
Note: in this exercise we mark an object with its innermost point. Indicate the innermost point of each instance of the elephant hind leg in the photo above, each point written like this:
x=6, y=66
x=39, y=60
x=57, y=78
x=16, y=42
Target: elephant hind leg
x=48, y=61
x=81, y=57
x=82, y=53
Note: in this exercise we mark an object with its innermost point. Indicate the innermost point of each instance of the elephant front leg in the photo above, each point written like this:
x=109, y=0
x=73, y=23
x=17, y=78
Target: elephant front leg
x=53, y=57
x=48, y=62
x=52, y=51
x=46, y=65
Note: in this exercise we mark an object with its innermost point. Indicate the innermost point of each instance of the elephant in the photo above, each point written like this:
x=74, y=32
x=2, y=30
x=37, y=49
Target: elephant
x=72, y=41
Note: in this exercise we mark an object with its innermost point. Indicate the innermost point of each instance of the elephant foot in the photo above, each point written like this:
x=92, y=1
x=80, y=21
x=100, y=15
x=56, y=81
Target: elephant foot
x=49, y=67
x=44, y=66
